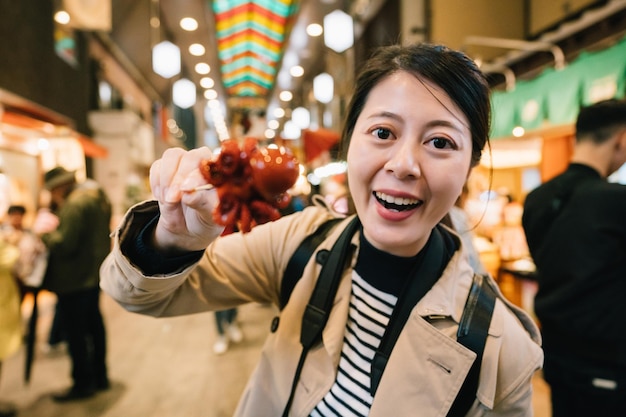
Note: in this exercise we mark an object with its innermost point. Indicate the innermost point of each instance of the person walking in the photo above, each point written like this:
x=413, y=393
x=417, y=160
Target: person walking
x=575, y=227
x=77, y=246
x=228, y=330
x=417, y=124
x=31, y=264
x=10, y=313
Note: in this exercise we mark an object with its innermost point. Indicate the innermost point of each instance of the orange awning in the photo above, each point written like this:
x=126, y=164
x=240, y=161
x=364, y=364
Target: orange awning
x=91, y=148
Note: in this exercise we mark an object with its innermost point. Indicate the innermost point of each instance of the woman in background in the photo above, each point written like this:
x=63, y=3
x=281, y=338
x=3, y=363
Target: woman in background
x=10, y=313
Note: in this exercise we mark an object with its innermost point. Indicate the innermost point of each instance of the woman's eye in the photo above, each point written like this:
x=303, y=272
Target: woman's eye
x=382, y=133
x=442, y=143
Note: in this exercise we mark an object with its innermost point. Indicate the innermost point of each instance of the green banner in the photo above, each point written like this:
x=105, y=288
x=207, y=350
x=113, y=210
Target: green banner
x=555, y=96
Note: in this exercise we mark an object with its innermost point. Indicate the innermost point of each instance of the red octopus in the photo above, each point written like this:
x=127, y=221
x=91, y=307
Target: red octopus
x=251, y=183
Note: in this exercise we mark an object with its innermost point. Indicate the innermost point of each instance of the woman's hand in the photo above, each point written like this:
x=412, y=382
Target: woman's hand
x=186, y=220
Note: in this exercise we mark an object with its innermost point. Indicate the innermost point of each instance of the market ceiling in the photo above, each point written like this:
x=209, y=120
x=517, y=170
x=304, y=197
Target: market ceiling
x=248, y=43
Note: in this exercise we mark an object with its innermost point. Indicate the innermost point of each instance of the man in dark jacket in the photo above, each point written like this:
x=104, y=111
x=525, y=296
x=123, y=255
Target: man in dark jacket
x=575, y=226
x=77, y=247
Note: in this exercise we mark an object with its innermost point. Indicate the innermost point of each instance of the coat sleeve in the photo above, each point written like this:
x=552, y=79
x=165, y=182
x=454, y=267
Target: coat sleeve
x=235, y=269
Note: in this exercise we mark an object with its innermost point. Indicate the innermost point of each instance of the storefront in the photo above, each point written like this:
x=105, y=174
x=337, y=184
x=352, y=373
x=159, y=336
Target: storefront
x=33, y=140
x=532, y=141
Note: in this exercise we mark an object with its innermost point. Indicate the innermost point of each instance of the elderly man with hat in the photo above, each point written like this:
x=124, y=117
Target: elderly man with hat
x=77, y=246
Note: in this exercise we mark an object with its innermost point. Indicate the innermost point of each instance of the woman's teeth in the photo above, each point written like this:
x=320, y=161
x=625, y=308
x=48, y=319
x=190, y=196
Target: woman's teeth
x=397, y=203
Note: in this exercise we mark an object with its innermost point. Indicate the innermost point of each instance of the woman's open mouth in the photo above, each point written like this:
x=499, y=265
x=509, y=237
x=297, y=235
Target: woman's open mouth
x=396, y=203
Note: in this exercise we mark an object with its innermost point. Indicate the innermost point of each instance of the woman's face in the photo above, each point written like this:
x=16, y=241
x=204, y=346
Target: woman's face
x=408, y=159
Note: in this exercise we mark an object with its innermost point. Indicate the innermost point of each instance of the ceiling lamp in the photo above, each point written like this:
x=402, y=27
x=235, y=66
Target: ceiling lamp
x=166, y=59
x=338, y=31
x=202, y=68
x=296, y=71
x=323, y=88
x=210, y=94
x=207, y=82
x=189, y=24
x=285, y=95
x=301, y=117
x=314, y=29
x=184, y=93
x=196, y=49
x=291, y=131
x=62, y=17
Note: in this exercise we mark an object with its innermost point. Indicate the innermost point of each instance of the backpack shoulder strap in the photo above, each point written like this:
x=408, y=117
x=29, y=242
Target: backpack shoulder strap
x=321, y=301
x=472, y=333
x=299, y=259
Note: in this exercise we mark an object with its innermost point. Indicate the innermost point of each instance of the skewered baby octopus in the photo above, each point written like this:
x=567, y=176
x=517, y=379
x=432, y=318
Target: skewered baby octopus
x=251, y=183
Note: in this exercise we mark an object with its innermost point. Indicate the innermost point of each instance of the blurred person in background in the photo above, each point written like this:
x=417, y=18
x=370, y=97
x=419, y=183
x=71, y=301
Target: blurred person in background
x=10, y=312
x=575, y=226
x=77, y=238
x=32, y=261
x=458, y=219
x=228, y=330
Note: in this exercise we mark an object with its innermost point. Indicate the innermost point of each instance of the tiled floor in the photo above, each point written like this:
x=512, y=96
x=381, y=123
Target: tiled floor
x=158, y=367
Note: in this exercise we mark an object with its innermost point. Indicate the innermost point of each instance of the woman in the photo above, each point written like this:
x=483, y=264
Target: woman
x=417, y=124
x=10, y=312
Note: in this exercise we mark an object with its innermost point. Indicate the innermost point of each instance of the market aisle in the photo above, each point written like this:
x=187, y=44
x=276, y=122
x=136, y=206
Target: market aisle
x=158, y=368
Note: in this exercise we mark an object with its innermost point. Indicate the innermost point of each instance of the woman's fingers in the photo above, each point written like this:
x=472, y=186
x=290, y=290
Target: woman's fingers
x=176, y=171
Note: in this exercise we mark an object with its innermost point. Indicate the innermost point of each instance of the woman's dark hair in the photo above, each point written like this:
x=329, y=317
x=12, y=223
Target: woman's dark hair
x=451, y=70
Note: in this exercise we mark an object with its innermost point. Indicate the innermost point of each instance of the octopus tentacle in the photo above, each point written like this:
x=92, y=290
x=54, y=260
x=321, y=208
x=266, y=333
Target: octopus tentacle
x=243, y=204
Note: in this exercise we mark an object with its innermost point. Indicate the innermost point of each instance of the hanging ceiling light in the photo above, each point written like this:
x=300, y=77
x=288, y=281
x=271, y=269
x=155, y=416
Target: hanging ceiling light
x=338, y=31
x=314, y=29
x=166, y=59
x=291, y=130
x=184, y=93
x=301, y=117
x=207, y=82
x=323, y=87
x=196, y=49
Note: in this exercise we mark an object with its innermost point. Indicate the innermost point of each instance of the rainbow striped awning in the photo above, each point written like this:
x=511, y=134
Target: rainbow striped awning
x=250, y=40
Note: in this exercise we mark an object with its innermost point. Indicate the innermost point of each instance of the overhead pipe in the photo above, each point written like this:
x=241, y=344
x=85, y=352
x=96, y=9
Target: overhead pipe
x=520, y=45
x=509, y=75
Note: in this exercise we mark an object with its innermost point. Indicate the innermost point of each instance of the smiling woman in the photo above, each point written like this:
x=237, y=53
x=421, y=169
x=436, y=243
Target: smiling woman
x=416, y=125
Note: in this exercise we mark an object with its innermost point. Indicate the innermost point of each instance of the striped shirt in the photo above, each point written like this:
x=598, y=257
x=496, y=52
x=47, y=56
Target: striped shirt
x=369, y=314
x=377, y=280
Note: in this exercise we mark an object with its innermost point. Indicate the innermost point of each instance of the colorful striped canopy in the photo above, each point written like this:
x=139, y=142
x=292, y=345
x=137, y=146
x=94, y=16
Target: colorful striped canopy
x=250, y=40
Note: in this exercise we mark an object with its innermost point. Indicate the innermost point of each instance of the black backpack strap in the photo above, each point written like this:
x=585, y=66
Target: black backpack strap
x=472, y=333
x=299, y=259
x=321, y=301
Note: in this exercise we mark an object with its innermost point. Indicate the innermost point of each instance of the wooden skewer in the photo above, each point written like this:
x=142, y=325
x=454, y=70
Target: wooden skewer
x=204, y=187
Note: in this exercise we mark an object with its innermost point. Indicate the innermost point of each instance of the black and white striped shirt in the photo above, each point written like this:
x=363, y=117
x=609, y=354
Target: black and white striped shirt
x=377, y=280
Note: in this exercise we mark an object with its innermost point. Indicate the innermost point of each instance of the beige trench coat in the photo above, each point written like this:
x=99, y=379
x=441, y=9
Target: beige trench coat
x=427, y=366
